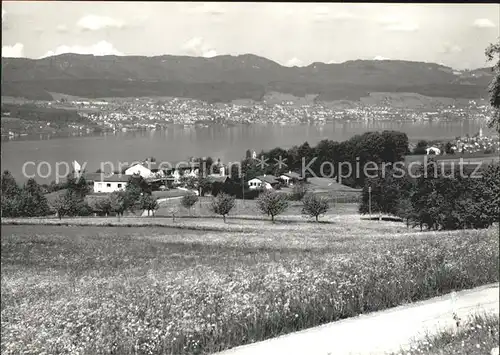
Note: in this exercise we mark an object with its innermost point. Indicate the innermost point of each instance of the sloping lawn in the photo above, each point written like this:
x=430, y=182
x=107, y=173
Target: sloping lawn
x=68, y=290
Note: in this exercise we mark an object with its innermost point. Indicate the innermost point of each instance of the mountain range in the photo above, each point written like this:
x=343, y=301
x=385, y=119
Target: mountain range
x=226, y=78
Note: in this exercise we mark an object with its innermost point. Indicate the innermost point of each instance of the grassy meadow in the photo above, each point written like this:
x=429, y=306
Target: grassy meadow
x=478, y=335
x=158, y=290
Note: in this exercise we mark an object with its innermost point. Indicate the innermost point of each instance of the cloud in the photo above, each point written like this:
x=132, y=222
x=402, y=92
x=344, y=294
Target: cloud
x=98, y=49
x=379, y=57
x=209, y=8
x=15, y=51
x=394, y=24
x=483, y=23
x=95, y=23
x=62, y=28
x=322, y=13
x=197, y=47
x=210, y=53
x=449, y=48
x=294, y=62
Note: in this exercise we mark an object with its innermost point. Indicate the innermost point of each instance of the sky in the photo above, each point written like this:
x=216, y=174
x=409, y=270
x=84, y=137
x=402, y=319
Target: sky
x=454, y=35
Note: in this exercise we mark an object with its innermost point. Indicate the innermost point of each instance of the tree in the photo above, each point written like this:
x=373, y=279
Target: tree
x=104, y=205
x=204, y=185
x=189, y=182
x=491, y=52
x=490, y=183
x=188, y=201
x=173, y=211
x=248, y=154
x=405, y=211
x=222, y=205
x=136, y=187
x=420, y=148
x=77, y=186
x=272, y=203
x=448, y=148
x=61, y=205
x=71, y=204
x=117, y=201
x=10, y=206
x=9, y=185
x=32, y=201
x=299, y=190
x=149, y=203
x=385, y=192
x=314, y=205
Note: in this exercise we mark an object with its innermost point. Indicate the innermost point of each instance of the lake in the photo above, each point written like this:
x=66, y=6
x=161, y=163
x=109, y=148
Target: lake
x=178, y=143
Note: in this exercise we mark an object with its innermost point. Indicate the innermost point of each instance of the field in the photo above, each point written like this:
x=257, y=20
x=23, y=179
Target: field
x=115, y=290
x=478, y=335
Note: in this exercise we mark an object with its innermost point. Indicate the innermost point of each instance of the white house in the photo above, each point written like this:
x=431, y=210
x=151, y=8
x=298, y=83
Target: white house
x=139, y=169
x=433, y=151
x=110, y=184
x=290, y=178
x=265, y=181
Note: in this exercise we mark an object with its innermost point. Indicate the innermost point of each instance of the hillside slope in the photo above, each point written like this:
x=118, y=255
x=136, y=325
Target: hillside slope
x=225, y=78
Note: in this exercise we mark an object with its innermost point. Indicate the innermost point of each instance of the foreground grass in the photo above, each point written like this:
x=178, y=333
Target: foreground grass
x=478, y=335
x=71, y=291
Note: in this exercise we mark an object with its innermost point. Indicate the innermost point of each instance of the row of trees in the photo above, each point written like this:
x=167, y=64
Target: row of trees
x=440, y=199
x=273, y=203
x=25, y=201
x=30, y=201
x=386, y=146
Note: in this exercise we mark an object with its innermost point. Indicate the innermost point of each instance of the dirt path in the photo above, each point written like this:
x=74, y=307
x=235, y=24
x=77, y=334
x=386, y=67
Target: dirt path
x=380, y=332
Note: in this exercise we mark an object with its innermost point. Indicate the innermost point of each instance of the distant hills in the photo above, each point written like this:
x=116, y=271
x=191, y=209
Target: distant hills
x=226, y=78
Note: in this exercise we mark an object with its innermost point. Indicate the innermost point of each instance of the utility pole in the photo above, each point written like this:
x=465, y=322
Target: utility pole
x=243, y=188
x=370, y=201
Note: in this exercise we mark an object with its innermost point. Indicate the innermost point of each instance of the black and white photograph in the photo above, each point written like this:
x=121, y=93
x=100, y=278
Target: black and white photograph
x=250, y=178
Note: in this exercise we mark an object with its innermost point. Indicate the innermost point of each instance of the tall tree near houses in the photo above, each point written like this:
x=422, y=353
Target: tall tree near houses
x=493, y=51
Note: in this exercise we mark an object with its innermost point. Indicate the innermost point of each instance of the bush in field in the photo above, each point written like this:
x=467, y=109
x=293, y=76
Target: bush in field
x=222, y=205
x=299, y=190
x=314, y=205
x=189, y=201
x=272, y=203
